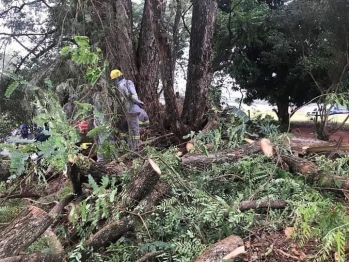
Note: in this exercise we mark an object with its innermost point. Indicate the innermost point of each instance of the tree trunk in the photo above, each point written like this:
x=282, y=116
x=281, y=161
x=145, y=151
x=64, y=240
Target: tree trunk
x=144, y=181
x=116, y=20
x=282, y=113
x=229, y=155
x=36, y=257
x=199, y=73
x=30, y=224
x=23, y=231
x=167, y=70
x=148, y=62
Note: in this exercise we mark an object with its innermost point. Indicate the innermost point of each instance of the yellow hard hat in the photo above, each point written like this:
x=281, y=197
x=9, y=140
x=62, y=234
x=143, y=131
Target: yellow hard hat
x=115, y=74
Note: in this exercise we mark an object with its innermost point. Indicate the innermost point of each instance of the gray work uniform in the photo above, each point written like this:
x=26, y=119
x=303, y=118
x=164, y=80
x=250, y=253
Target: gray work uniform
x=133, y=109
x=143, y=119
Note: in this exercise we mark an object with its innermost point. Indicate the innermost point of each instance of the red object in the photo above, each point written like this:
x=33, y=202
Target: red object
x=83, y=126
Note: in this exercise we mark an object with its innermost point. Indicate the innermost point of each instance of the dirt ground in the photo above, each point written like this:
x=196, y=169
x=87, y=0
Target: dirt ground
x=307, y=130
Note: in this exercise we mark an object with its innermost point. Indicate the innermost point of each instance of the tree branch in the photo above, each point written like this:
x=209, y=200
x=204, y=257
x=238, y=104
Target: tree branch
x=19, y=8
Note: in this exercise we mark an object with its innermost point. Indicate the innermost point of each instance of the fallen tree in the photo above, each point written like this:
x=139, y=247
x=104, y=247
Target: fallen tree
x=27, y=227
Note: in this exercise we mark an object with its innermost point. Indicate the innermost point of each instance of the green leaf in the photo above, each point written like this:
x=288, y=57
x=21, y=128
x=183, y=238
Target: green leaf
x=11, y=88
x=66, y=50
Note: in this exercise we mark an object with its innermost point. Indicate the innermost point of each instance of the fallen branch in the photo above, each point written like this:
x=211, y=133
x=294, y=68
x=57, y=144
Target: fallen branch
x=36, y=257
x=53, y=241
x=220, y=249
x=29, y=225
x=203, y=162
x=113, y=231
x=23, y=231
x=275, y=204
x=20, y=195
x=148, y=256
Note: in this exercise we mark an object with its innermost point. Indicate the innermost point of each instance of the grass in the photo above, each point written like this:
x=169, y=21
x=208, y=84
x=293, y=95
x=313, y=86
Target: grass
x=301, y=117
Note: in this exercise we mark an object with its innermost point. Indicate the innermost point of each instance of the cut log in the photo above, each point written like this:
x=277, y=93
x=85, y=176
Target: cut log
x=79, y=175
x=113, y=231
x=36, y=257
x=144, y=181
x=311, y=172
x=23, y=231
x=220, y=249
x=29, y=225
x=306, y=145
x=300, y=165
x=275, y=204
x=204, y=162
x=53, y=241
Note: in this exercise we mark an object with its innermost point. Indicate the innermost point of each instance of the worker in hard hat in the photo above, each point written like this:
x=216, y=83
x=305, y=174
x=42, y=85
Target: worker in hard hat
x=133, y=106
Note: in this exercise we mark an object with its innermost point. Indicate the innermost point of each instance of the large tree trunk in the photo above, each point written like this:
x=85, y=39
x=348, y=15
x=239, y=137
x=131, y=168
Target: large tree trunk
x=167, y=70
x=282, y=113
x=116, y=20
x=30, y=224
x=148, y=62
x=199, y=73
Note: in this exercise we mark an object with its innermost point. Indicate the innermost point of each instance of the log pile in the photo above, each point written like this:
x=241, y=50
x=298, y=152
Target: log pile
x=144, y=192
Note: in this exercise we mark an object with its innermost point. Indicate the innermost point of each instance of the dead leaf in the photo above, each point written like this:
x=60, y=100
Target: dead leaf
x=288, y=231
x=236, y=252
x=247, y=244
x=267, y=147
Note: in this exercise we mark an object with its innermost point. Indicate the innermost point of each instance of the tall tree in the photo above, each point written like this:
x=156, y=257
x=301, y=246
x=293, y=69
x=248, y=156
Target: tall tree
x=199, y=67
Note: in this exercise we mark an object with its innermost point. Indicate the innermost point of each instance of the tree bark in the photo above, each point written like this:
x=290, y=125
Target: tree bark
x=282, y=113
x=166, y=67
x=229, y=155
x=36, y=257
x=313, y=175
x=113, y=231
x=79, y=175
x=148, y=62
x=30, y=224
x=117, y=24
x=220, y=249
x=200, y=54
x=23, y=231
x=144, y=181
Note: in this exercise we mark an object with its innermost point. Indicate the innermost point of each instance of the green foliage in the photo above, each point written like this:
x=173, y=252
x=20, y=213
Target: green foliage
x=84, y=55
x=17, y=81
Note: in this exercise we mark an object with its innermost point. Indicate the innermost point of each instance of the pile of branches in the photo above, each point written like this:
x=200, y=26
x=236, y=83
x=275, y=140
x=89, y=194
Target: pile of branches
x=145, y=191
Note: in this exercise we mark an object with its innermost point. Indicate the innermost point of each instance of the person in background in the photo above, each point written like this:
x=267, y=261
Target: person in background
x=42, y=135
x=132, y=106
x=24, y=132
